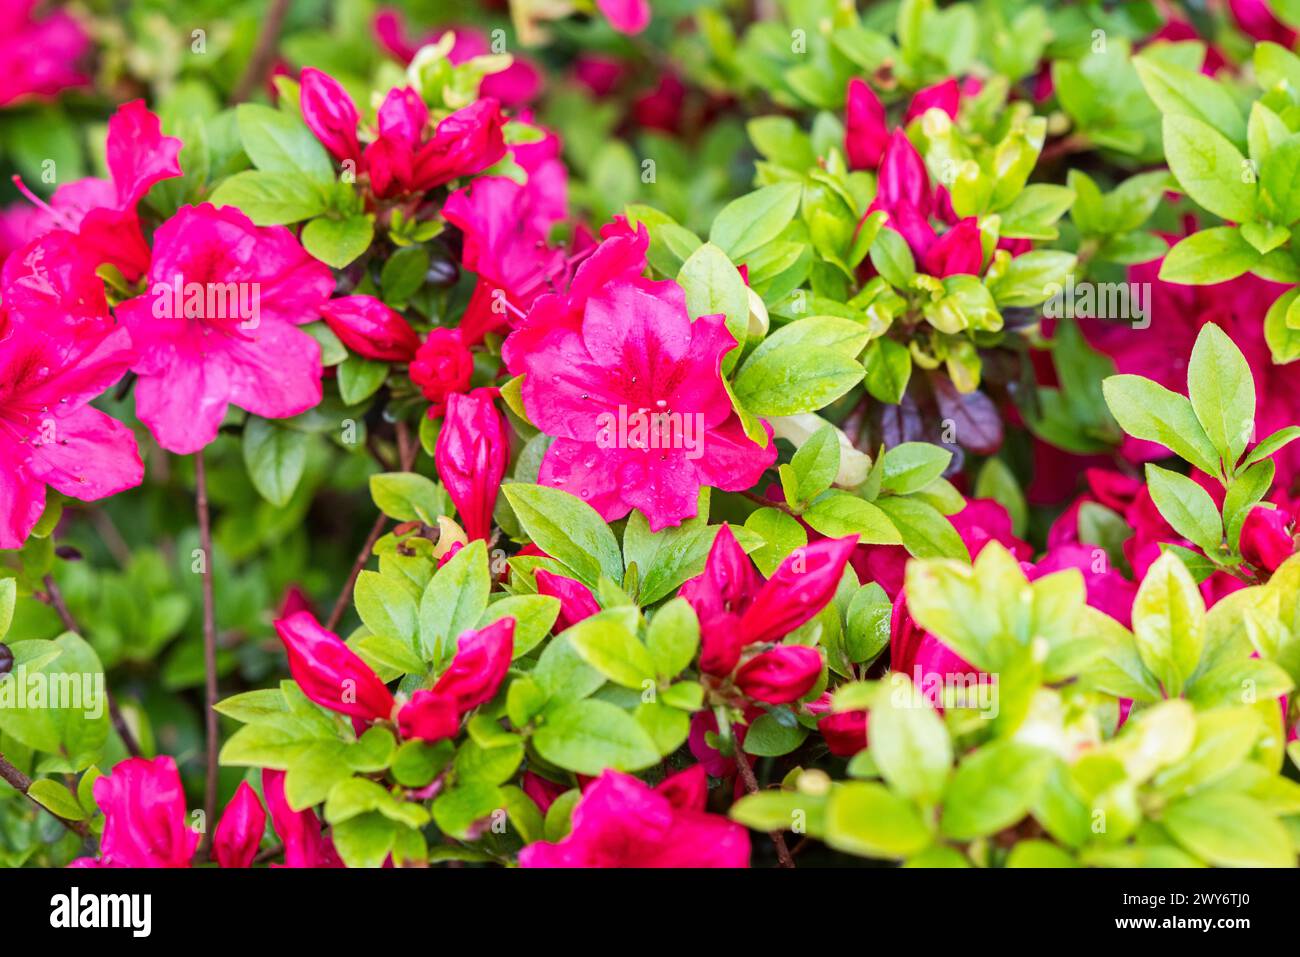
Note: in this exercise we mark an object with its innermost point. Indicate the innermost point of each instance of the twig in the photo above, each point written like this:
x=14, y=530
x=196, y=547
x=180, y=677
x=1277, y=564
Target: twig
x=209, y=647
x=22, y=783
x=55, y=600
x=751, y=785
x=260, y=62
x=112, y=538
x=767, y=502
x=408, y=449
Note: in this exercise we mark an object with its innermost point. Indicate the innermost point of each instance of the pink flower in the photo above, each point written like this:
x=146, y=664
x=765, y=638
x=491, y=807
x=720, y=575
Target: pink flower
x=237, y=837
x=1266, y=540
x=299, y=831
x=956, y=252
x=626, y=16
x=38, y=56
x=576, y=599
x=103, y=212
x=622, y=822
x=845, y=732
x=542, y=790
x=59, y=349
x=476, y=672
x=216, y=325
x=1256, y=19
x=330, y=673
x=329, y=112
x=471, y=457
x=866, y=131
x=402, y=160
x=144, y=815
x=944, y=95
x=982, y=521
x=784, y=674
x=620, y=392
x=918, y=654
x=801, y=586
x=371, y=329
x=441, y=367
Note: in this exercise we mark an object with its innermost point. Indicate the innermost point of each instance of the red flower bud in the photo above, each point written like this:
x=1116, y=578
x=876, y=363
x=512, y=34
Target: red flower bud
x=442, y=366
x=1266, y=540
x=329, y=672
x=797, y=590
x=576, y=599
x=845, y=732
x=237, y=837
x=330, y=113
x=299, y=831
x=481, y=662
x=471, y=455
x=429, y=716
x=957, y=251
x=371, y=329
x=865, y=129
x=784, y=674
x=945, y=95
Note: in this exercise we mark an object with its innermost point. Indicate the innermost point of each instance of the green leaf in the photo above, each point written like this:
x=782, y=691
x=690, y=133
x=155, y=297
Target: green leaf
x=924, y=530
x=77, y=729
x=588, y=736
x=866, y=623
x=889, y=369
x=1209, y=168
x=1147, y=410
x=55, y=797
x=8, y=599
x=753, y=220
x=275, y=458
x=1186, y=506
x=1278, y=176
x=1230, y=830
x=774, y=734
x=386, y=607
x=1268, y=447
x=337, y=242
x=1189, y=93
x=567, y=529
x=534, y=617
x=673, y=637
x=666, y=558
x=360, y=378
x=993, y=788
x=892, y=258
x=1169, y=622
x=816, y=463
x=603, y=642
x=909, y=742
x=789, y=378
x=408, y=497
x=280, y=142
x=454, y=601
x=912, y=466
x=867, y=820
x=1210, y=256
x=840, y=514
x=271, y=199
x=1222, y=392
x=713, y=286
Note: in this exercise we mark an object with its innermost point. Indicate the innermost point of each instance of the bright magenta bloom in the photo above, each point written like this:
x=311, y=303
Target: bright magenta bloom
x=623, y=822
x=866, y=131
x=370, y=328
x=299, y=831
x=236, y=839
x=440, y=367
x=103, y=212
x=329, y=112
x=59, y=349
x=626, y=16
x=476, y=672
x=38, y=56
x=1266, y=539
x=216, y=325
x=330, y=673
x=402, y=160
x=471, y=455
x=144, y=815
x=633, y=394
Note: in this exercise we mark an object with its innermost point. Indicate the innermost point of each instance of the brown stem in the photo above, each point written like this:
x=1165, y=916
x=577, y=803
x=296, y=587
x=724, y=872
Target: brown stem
x=260, y=62
x=767, y=502
x=209, y=648
x=112, y=538
x=751, y=785
x=408, y=448
x=22, y=783
x=55, y=600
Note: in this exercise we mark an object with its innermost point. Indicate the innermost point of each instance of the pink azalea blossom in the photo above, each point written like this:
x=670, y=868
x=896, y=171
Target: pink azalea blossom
x=1266, y=537
x=199, y=355
x=441, y=367
x=103, y=212
x=480, y=664
x=576, y=600
x=144, y=815
x=39, y=55
x=634, y=351
x=59, y=349
x=622, y=822
x=785, y=673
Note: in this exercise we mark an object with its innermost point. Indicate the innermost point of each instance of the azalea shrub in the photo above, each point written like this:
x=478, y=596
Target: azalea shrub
x=655, y=433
